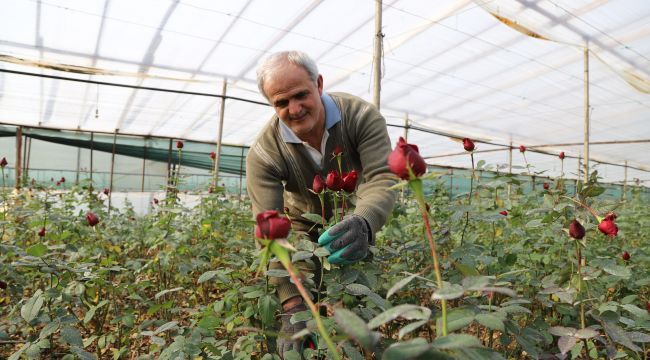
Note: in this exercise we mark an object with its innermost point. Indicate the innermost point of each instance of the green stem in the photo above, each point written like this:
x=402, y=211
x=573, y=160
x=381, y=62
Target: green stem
x=416, y=185
x=284, y=258
x=321, y=197
x=471, y=187
x=335, y=196
x=582, y=305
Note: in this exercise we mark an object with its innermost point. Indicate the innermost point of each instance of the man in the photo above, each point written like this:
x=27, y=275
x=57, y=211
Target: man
x=297, y=144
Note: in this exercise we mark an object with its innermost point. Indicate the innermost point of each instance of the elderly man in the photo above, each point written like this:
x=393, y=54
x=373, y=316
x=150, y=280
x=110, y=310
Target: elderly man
x=297, y=144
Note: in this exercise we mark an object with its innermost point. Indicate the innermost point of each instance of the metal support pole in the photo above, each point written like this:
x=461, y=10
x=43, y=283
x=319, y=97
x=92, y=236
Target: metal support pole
x=169, y=162
x=586, y=123
x=19, y=147
x=221, y=115
x=241, y=174
x=28, y=157
x=76, y=176
x=376, y=67
x=24, y=159
x=624, y=194
x=92, y=148
x=110, y=186
x=144, y=162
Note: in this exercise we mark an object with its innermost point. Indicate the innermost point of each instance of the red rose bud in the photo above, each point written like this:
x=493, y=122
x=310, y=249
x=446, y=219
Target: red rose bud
x=576, y=230
x=270, y=225
x=3, y=286
x=406, y=156
x=106, y=191
x=179, y=144
x=608, y=227
x=334, y=182
x=626, y=256
x=522, y=148
x=58, y=183
x=561, y=155
x=546, y=186
x=3, y=162
x=62, y=179
x=213, y=155
x=318, y=185
x=350, y=181
x=155, y=201
x=504, y=213
x=286, y=209
x=611, y=216
x=338, y=150
x=92, y=219
x=647, y=306
x=41, y=232
x=468, y=144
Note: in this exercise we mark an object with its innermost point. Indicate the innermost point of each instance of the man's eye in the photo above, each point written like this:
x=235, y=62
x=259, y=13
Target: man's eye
x=281, y=104
x=301, y=95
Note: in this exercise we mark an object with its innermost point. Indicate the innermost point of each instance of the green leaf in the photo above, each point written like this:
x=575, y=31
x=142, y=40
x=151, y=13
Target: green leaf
x=477, y=283
x=410, y=327
x=267, y=306
x=586, y=333
x=167, y=291
x=406, y=350
x=448, y=292
x=315, y=218
x=352, y=351
x=37, y=250
x=456, y=341
x=207, y=276
x=72, y=336
x=400, y=284
x=321, y=252
x=639, y=337
x=562, y=331
x=356, y=328
x=30, y=309
x=457, y=318
x=167, y=326
x=209, y=322
x=82, y=354
x=566, y=343
x=490, y=321
x=91, y=312
x=408, y=311
x=49, y=329
x=618, y=270
x=618, y=335
x=357, y=289
x=301, y=316
x=592, y=191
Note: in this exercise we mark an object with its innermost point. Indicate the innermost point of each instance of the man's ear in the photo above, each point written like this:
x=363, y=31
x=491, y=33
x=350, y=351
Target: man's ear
x=319, y=83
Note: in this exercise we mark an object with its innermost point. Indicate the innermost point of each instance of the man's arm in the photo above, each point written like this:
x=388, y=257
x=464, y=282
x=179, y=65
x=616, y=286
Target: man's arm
x=263, y=181
x=374, y=200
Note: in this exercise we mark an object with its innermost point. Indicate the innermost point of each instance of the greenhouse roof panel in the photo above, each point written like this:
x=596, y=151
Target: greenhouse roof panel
x=501, y=71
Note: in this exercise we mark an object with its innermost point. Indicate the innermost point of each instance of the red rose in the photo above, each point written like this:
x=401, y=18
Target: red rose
x=546, y=186
x=406, y=156
x=3, y=286
x=62, y=179
x=522, y=148
x=561, y=155
x=334, y=182
x=338, y=150
x=92, y=219
x=504, y=213
x=576, y=230
x=155, y=201
x=647, y=306
x=468, y=144
x=270, y=225
x=213, y=155
x=3, y=162
x=318, y=186
x=608, y=227
x=106, y=191
x=58, y=183
x=626, y=256
x=179, y=144
x=350, y=181
x=41, y=232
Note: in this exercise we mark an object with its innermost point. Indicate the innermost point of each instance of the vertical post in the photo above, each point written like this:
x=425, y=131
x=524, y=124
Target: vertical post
x=579, y=168
x=144, y=162
x=169, y=162
x=24, y=162
x=406, y=127
x=28, y=150
x=221, y=116
x=509, y=167
x=76, y=176
x=586, y=123
x=624, y=194
x=19, y=147
x=110, y=185
x=241, y=173
x=376, y=67
x=451, y=184
x=92, y=148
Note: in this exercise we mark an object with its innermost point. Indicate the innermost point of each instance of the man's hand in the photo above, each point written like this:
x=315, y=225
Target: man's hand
x=346, y=241
x=287, y=330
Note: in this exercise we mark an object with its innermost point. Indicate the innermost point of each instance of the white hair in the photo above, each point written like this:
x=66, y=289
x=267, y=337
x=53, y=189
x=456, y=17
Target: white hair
x=276, y=60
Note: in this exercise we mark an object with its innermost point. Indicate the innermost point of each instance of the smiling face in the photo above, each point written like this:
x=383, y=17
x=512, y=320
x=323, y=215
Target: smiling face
x=296, y=100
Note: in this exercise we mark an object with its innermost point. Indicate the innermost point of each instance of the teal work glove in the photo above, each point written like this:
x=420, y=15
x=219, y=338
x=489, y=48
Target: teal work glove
x=347, y=241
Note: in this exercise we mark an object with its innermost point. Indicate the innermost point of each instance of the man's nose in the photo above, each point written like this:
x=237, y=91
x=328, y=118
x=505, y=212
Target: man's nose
x=294, y=107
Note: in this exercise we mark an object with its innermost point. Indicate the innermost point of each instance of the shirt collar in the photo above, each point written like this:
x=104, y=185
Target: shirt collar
x=332, y=117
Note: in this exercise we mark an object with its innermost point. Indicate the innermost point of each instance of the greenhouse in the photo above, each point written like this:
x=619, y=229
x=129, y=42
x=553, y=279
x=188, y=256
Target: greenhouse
x=509, y=220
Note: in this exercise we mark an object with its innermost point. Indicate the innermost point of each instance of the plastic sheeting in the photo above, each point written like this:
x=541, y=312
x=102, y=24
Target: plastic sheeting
x=502, y=71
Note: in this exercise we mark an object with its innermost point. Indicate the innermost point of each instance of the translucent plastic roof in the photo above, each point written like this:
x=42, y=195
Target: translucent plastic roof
x=501, y=71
